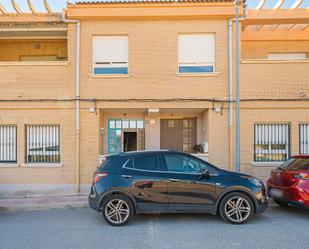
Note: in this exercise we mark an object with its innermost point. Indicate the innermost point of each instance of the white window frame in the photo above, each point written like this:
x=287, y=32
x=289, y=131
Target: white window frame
x=110, y=64
x=38, y=139
x=8, y=144
x=182, y=62
x=267, y=135
x=304, y=138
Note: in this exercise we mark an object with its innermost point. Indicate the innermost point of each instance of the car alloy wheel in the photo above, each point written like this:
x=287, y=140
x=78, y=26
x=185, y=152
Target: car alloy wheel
x=117, y=210
x=236, y=208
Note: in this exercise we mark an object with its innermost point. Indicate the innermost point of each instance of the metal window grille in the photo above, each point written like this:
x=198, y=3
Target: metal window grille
x=271, y=142
x=8, y=150
x=304, y=138
x=43, y=144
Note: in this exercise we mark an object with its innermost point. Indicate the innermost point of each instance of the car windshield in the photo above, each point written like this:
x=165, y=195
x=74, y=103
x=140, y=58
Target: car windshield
x=295, y=164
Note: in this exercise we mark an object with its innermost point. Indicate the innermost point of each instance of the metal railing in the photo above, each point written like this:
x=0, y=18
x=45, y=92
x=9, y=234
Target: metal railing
x=42, y=143
x=271, y=142
x=304, y=139
x=8, y=149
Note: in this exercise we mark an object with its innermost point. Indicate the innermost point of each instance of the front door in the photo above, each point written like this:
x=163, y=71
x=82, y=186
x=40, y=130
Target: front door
x=186, y=189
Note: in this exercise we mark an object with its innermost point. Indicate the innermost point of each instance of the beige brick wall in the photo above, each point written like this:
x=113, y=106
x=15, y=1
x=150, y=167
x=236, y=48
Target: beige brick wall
x=274, y=79
x=292, y=116
x=23, y=173
x=32, y=81
x=152, y=67
x=153, y=60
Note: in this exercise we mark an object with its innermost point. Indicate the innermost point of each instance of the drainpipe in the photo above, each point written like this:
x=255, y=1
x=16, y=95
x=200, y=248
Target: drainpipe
x=77, y=98
x=230, y=35
x=230, y=61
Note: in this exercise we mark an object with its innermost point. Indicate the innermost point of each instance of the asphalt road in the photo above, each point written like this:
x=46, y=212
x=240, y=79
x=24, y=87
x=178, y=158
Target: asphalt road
x=83, y=228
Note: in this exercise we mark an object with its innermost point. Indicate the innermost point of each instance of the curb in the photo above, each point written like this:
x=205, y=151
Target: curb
x=37, y=208
x=43, y=203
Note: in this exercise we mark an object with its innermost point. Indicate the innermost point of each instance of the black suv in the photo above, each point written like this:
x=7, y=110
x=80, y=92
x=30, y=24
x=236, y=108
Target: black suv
x=167, y=181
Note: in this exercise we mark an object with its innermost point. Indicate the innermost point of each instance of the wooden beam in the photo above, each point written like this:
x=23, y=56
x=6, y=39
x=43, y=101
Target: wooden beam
x=279, y=16
x=16, y=7
x=47, y=7
x=31, y=7
x=2, y=9
x=296, y=4
x=278, y=4
x=260, y=5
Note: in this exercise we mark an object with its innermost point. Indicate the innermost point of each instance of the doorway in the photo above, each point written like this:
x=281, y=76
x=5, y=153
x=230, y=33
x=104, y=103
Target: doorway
x=129, y=141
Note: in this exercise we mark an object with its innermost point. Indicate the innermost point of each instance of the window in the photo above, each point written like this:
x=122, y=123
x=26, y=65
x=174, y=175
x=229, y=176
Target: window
x=110, y=55
x=196, y=53
x=148, y=162
x=304, y=138
x=296, y=164
x=116, y=131
x=287, y=56
x=42, y=144
x=271, y=142
x=8, y=144
x=183, y=164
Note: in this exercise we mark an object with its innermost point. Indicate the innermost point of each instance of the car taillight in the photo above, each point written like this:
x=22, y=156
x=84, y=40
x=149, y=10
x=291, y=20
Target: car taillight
x=98, y=176
x=302, y=176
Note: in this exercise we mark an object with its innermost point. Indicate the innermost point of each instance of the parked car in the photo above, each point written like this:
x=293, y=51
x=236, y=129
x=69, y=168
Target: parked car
x=172, y=182
x=289, y=183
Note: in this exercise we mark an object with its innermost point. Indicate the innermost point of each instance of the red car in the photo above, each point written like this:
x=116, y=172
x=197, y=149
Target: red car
x=289, y=183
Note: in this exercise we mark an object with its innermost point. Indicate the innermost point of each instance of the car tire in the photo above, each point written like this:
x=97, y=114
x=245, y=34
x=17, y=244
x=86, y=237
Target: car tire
x=280, y=202
x=117, y=210
x=236, y=208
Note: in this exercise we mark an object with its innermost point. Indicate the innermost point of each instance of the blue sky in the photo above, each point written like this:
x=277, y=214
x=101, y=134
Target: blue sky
x=57, y=5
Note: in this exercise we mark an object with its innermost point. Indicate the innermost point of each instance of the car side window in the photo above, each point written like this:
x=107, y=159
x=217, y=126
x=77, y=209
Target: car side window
x=129, y=164
x=147, y=162
x=181, y=163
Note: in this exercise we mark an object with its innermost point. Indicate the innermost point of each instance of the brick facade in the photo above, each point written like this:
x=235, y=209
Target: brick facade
x=153, y=61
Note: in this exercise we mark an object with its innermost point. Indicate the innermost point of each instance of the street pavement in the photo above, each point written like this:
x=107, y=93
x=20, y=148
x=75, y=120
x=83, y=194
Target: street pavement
x=83, y=228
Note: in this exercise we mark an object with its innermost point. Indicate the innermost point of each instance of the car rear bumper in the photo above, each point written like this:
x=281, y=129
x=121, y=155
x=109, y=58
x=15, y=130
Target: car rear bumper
x=290, y=195
x=94, y=200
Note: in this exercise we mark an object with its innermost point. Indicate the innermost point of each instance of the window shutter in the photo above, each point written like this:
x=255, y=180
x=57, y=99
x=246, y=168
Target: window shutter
x=196, y=48
x=110, y=49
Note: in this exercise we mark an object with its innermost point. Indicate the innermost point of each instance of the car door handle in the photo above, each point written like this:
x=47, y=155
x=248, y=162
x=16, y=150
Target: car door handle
x=173, y=180
x=126, y=176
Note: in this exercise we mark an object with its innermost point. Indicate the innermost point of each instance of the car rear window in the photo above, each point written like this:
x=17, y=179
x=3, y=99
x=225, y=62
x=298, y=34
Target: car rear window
x=112, y=164
x=295, y=164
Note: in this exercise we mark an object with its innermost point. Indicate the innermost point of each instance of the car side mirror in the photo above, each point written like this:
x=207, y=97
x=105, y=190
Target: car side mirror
x=205, y=174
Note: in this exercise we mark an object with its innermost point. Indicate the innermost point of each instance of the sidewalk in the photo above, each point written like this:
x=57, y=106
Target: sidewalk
x=41, y=203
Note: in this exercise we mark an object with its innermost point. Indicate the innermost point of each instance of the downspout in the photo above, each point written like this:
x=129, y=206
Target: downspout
x=230, y=37
x=230, y=62
x=77, y=98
